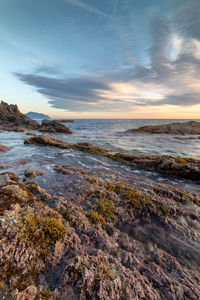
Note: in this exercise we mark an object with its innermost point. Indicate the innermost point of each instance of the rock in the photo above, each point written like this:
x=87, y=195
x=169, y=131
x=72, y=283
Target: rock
x=12, y=119
x=3, y=148
x=191, y=127
x=33, y=173
x=3, y=167
x=182, y=167
x=22, y=162
x=89, y=148
x=4, y=179
x=54, y=126
x=30, y=133
x=152, y=251
x=44, y=140
x=65, y=121
x=29, y=293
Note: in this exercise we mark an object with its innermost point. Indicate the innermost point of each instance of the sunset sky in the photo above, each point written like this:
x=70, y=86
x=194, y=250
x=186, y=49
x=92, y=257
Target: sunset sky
x=101, y=58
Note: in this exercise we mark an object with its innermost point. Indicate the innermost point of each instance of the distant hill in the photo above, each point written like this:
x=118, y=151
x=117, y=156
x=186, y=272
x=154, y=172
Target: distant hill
x=37, y=116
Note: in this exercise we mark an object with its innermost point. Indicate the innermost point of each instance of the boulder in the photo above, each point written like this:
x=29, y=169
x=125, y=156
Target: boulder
x=54, y=127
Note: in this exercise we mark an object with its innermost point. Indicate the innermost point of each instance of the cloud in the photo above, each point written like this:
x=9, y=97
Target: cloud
x=186, y=17
x=68, y=93
x=172, y=76
x=86, y=7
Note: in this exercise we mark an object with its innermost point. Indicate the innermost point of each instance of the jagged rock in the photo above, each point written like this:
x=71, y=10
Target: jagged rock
x=12, y=119
x=191, y=127
x=54, y=126
x=152, y=251
x=3, y=148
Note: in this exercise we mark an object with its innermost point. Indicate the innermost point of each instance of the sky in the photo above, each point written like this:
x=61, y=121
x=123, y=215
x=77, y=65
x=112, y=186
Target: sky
x=101, y=58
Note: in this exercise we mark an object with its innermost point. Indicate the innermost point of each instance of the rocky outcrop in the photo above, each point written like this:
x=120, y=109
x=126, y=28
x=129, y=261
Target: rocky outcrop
x=44, y=140
x=3, y=148
x=12, y=119
x=191, y=127
x=54, y=127
x=182, y=167
x=102, y=240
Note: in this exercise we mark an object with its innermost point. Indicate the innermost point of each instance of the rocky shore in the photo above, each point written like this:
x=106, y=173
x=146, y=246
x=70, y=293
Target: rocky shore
x=191, y=127
x=11, y=119
x=71, y=233
x=103, y=239
x=182, y=167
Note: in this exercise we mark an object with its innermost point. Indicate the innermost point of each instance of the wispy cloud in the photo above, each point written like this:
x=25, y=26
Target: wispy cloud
x=87, y=7
x=172, y=76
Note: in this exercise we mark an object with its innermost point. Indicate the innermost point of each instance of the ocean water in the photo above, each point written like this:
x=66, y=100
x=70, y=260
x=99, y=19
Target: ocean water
x=106, y=133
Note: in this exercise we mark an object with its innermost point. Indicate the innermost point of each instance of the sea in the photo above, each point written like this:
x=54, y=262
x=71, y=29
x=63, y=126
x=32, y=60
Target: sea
x=108, y=133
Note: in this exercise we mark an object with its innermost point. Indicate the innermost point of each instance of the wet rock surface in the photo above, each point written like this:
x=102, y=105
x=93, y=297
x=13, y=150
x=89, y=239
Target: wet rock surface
x=33, y=173
x=3, y=148
x=11, y=119
x=188, y=168
x=54, y=126
x=191, y=127
x=44, y=140
x=98, y=237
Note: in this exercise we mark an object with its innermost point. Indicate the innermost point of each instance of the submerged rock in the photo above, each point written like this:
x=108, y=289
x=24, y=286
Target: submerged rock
x=3, y=148
x=191, y=127
x=54, y=126
x=12, y=119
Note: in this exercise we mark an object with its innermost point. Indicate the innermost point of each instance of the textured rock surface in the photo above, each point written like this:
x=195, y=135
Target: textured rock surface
x=146, y=248
x=33, y=173
x=191, y=127
x=44, y=140
x=54, y=126
x=12, y=119
x=172, y=166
